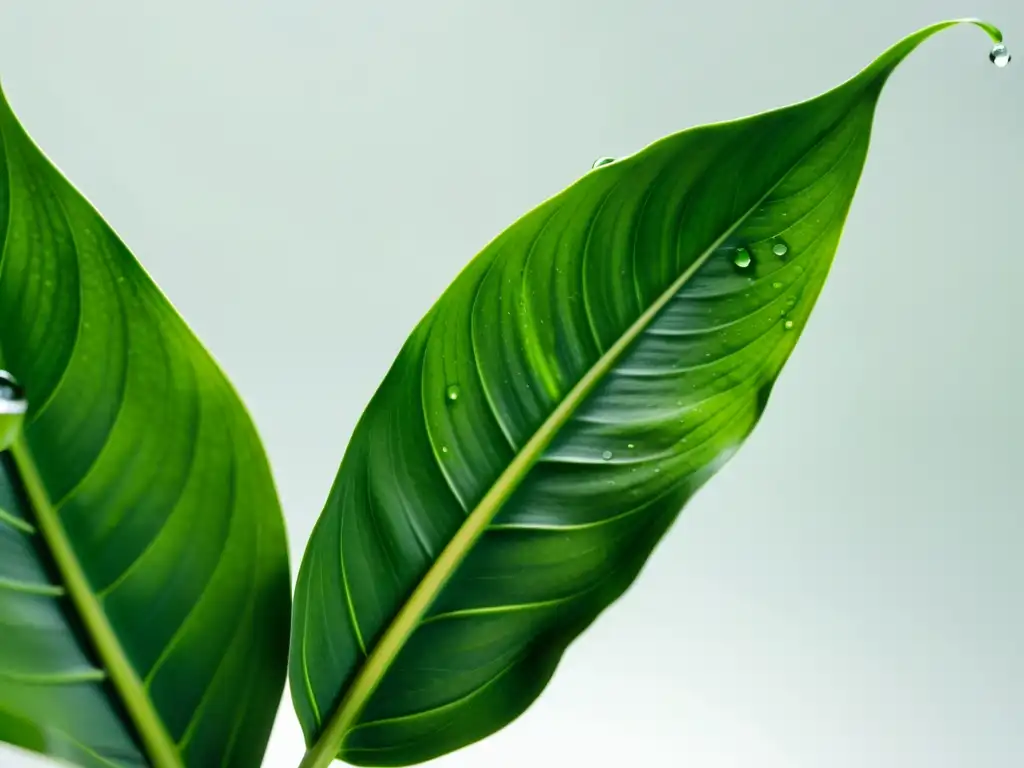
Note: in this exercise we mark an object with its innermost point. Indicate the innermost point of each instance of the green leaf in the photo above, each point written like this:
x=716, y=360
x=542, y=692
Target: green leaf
x=545, y=423
x=144, y=585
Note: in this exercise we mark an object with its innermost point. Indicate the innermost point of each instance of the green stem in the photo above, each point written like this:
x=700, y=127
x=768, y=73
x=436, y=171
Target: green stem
x=161, y=750
x=318, y=756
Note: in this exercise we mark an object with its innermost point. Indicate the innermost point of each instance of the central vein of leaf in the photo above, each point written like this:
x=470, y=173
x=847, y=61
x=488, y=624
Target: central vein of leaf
x=158, y=744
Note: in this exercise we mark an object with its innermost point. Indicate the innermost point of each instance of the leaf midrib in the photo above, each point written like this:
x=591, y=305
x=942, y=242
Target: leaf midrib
x=409, y=616
x=159, y=746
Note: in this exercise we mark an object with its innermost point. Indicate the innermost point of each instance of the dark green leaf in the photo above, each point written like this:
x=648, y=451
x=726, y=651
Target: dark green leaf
x=546, y=422
x=144, y=587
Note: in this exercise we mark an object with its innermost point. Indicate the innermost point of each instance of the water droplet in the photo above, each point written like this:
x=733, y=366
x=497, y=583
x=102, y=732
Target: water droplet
x=999, y=55
x=776, y=285
x=630, y=446
x=452, y=393
x=607, y=455
x=788, y=325
x=602, y=161
x=780, y=249
x=12, y=396
x=12, y=409
x=741, y=258
x=444, y=449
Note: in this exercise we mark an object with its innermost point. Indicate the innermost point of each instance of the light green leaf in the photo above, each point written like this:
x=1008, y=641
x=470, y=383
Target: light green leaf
x=545, y=423
x=144, y=586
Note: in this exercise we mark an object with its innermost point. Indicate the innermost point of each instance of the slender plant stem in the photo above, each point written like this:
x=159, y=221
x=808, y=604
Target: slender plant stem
x=318, y=756
x=160, y=748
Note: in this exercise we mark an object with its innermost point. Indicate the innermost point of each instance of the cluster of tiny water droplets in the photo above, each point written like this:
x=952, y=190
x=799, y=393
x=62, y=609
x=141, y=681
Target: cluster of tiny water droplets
x=741, y=257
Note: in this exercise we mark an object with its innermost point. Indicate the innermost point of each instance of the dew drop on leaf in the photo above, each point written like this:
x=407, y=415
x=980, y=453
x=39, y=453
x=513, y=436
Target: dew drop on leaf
x=999, y=55
x=741, y=258
x=602, y=161
x=12, y=409
x=12, y=396
x=452, y=393
x=607, y=455
x=780, y=249
x=788, y=325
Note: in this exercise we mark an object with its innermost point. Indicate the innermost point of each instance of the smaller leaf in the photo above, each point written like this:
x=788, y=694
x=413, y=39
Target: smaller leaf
x=547, y=420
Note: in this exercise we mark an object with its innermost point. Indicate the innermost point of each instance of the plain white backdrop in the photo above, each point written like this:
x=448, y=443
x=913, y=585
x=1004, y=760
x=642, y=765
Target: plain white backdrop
x=304, y=178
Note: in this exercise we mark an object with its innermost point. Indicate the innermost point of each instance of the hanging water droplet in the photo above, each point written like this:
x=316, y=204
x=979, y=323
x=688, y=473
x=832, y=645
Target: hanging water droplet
x=780, y=249
x=12, y=409
x=741, y=258
x=607, y=455
x=12, y=396
x=788, y=325
x=452, y=393
x=602, y=161
x=999, y=55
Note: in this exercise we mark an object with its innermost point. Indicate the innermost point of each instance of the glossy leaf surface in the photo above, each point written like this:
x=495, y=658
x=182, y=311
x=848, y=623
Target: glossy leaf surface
x=545, y=423
x=144, y=587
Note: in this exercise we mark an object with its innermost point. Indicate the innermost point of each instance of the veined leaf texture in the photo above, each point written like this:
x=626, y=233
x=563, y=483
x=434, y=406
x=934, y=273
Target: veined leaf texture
x=548, y=419
x=144, y=586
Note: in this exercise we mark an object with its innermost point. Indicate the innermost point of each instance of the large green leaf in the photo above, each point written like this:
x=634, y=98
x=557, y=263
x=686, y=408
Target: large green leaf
x=547, y=420
x=144, y=586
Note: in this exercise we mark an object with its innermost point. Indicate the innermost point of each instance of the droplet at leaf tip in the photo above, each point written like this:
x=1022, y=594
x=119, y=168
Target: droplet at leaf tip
x=999, y=55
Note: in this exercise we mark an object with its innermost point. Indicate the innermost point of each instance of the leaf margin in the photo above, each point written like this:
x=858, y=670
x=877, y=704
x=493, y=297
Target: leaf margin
x=128, y=691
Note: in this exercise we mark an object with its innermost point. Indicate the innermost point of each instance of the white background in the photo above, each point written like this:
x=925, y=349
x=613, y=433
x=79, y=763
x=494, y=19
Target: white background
x=304, y=178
